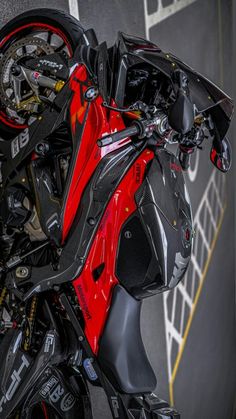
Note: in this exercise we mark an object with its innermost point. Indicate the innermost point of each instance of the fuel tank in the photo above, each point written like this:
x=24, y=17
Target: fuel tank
x=155, y=242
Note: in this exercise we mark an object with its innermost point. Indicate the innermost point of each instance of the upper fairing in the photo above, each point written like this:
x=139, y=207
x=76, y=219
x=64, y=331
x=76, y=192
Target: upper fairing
x=165, y=210
x=204, y=94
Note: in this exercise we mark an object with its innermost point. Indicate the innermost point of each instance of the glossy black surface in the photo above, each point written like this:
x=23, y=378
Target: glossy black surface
x=122, y=354
x=155, y=254
x=204, y=94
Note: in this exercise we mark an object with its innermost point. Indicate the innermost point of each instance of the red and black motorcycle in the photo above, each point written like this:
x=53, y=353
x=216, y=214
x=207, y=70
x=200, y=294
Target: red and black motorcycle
x=94, y=211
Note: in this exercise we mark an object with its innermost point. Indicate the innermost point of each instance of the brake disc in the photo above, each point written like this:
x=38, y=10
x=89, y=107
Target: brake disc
x=28, y=47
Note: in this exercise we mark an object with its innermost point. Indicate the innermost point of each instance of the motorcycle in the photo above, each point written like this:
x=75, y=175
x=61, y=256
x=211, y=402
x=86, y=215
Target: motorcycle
x=94, y=210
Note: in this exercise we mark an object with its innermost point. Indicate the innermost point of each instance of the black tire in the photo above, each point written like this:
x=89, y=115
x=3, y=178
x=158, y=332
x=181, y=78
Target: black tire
x=65, y=23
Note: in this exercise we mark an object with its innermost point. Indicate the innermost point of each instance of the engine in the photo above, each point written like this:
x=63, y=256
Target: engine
x=27, y=202
x=19, y=223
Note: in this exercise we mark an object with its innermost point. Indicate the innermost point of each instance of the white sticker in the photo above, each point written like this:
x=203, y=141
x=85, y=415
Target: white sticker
x=67, y=402
x=19, y=142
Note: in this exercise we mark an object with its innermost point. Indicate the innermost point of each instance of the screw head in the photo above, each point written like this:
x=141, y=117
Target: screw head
x=91, y=221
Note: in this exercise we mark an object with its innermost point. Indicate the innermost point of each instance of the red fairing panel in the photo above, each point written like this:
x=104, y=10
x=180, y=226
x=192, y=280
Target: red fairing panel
x=95, y=295
x=89, y=121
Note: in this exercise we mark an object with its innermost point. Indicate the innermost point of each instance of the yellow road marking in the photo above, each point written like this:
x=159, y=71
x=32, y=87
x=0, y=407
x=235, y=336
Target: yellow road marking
x=196, y=299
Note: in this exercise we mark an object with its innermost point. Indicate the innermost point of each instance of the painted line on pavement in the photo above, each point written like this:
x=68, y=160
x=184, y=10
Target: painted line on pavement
x=74, y=8
x=162, y=12
x=187, y=330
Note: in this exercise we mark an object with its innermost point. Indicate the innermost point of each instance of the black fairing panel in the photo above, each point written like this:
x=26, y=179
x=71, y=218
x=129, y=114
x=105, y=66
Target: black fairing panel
x=97, y=193
x=68, y=406
x=135, y=256
x=122, y=353
x=155, y=244
x=204, y=94
x=19, y=371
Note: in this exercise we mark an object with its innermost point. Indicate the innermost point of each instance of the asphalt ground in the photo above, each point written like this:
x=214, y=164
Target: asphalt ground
x=200, y=34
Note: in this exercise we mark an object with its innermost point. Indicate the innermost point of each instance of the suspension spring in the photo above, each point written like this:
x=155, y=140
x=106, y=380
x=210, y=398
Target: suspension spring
x=3, y=295
x=30, y=326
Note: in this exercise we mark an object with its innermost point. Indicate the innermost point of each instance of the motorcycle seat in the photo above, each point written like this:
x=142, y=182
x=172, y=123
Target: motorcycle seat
x=122, y=354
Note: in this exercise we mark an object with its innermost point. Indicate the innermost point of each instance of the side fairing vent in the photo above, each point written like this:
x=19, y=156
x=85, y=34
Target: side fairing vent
x=134, y=257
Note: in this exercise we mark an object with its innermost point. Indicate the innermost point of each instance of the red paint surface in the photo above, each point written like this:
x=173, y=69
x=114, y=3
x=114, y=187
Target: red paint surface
x=38, y=25
x=95, y=296
x=98, y=122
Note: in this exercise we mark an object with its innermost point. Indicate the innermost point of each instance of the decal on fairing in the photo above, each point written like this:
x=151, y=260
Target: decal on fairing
x=83, y=302
x=57, y=393
x=115, y=406
x=48, y=387
x=67, y=402
x=90, y=370
x=15, y=381
x=51, y=64
x=49, y=342
x=19, y=142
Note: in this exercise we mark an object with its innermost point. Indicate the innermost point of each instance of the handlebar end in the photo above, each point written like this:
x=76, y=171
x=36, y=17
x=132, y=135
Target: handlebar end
x=102, y=142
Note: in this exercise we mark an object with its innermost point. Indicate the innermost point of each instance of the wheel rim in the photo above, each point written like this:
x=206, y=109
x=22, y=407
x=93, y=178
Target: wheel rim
x=56, y=40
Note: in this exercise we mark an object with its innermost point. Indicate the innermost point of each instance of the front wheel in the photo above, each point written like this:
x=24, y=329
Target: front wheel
x=36, y=33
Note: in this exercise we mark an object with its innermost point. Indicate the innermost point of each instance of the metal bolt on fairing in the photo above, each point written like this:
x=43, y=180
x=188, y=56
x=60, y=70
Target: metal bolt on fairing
x=22, y=272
